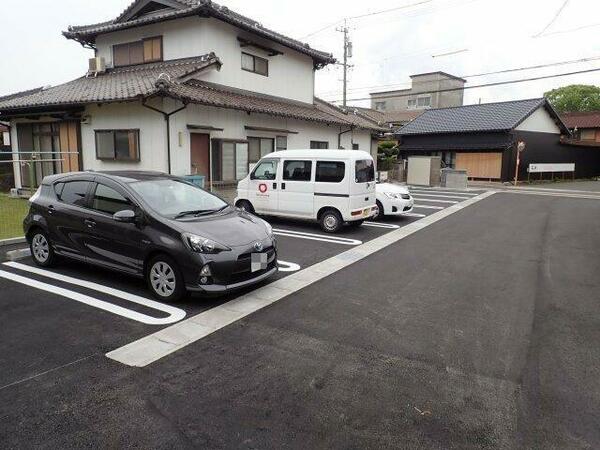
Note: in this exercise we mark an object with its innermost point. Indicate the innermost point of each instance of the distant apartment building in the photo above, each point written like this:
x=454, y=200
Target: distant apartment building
x=429, y=90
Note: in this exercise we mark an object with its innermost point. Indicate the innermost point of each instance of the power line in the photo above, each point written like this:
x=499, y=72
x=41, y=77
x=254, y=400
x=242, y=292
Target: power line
x=517, y=69
x=498, y=83
x=560, y=10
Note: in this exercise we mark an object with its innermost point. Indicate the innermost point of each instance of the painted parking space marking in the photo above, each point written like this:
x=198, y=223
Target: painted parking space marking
x=435, y=200
x=156, y=346
x=441, y=195
x=420, y=216
x=285, y=266
x=316, y=237
x=174, y=314
x=428, y=207
x=381, y=225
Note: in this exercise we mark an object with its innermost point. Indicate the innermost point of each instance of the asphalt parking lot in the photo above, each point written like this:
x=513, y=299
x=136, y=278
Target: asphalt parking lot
x=477, y=331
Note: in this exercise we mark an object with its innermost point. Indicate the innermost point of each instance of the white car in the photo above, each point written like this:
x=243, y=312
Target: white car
x=393, y=200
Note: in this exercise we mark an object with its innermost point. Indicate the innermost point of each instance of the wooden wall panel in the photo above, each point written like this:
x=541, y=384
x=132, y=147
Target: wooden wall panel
x=69, y=142
x=480, y=165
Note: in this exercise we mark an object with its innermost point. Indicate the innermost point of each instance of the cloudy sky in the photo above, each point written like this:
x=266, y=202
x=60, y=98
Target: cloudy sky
x=412, y=37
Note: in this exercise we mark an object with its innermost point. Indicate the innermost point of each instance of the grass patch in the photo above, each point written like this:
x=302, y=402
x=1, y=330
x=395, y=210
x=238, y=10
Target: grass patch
x=12, y=213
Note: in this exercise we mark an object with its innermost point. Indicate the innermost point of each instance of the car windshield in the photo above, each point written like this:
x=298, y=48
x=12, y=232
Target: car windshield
x=173, y=198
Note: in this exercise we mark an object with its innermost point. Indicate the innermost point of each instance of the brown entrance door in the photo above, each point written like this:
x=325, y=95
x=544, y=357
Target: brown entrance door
x=200, y=159
x=480, y=165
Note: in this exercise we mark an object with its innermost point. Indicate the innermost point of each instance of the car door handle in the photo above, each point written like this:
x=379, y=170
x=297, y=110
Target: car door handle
x=51, y=209
x=90, y=223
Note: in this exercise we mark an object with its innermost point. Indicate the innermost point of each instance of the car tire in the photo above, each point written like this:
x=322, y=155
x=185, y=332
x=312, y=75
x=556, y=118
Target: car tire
x=164, y=279
x=246, y=206
x=41, y=249
x=380, y=212
x=331, y=221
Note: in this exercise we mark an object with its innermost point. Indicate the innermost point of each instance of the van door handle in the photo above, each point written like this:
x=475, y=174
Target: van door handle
x=90, y=223
x=274, y=185
x=283, y=186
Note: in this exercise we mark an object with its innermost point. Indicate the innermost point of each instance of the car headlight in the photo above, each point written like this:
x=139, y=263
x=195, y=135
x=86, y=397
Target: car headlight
x=390, y=195
x=201, y=244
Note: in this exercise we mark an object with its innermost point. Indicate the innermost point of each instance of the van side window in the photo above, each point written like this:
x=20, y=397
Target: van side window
x=330, y=171
x=365, y=171
x=74, y=192
x=266, y=170
x=297, y=170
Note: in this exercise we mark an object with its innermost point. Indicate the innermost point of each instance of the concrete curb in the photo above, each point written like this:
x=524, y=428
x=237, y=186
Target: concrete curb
x=12, y=241
x=16, y=255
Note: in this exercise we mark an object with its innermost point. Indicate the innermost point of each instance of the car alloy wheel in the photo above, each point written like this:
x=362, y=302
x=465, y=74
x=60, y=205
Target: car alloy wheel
x=40, y=249
x=163, y=279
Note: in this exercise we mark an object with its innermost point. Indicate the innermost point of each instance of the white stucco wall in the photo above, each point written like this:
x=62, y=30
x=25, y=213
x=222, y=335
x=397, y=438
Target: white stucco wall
x=540, y=121
x=153, y=149
x=291, y=75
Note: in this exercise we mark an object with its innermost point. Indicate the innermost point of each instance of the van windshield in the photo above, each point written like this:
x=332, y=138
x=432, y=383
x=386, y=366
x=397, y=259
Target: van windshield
x=365, y=171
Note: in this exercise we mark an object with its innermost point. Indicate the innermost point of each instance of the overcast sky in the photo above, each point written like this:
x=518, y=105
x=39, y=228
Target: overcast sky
x=489, y=35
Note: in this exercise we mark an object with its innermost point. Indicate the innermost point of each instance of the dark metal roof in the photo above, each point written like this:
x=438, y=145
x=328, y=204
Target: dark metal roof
x=503, y=116
x=182, y=8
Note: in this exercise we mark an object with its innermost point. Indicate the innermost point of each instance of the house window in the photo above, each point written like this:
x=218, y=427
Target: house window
x=139, y=52
x=118, y=145
x=319, y=145
x=259, y=148
x=412, y=103
x=230, y=160
x=587, y=134
x=281, y=143
x=424, y=102
x=255, y=64
x=380, y=106
x=355, y=147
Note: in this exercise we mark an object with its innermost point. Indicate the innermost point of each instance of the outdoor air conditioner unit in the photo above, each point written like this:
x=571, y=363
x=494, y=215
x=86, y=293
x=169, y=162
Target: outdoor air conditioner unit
x=96, y=65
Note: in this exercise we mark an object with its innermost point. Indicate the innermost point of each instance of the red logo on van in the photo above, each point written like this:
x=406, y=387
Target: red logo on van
x=262, y=188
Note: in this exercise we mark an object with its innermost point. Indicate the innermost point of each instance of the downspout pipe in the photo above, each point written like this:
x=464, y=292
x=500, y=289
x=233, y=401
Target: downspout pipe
x=167, y=116
x=340, y=136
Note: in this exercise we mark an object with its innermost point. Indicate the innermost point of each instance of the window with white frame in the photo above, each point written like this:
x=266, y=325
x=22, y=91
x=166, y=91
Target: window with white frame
x=412, y=103
x=424, y=102
x=380, y=106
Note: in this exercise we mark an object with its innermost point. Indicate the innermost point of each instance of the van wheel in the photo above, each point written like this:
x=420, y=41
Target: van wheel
x=164, y=279
x=245, y=205
x=380, y=213
x=41, y=250
x=331, y=221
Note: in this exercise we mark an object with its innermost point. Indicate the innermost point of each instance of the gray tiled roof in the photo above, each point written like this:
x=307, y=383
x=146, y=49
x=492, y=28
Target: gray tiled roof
x=206, y=8
x=141, y=81
x=502, y=116
x=119, y=84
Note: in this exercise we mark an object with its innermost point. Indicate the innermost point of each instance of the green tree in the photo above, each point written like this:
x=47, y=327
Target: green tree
x=387, y=155
x=576, y=97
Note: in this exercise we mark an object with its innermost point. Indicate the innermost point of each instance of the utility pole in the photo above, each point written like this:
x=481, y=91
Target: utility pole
x=347, y=54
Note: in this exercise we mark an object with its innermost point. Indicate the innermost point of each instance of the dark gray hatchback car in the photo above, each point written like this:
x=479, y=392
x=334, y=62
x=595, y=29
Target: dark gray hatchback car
x=177, y=236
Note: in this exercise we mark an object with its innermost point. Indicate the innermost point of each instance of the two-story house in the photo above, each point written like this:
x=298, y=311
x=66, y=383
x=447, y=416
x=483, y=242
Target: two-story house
x=184, y=87
x=427, y=91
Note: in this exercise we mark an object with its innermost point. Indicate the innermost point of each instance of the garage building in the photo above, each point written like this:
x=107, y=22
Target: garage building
x=482, y=139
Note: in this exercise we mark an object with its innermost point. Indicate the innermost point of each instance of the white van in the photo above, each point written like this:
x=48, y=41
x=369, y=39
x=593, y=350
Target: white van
x=331, y=186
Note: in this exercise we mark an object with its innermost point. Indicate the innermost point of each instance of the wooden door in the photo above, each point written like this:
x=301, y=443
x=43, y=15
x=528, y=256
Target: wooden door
x=480, y=165
x=199, y=155
x=69, y=146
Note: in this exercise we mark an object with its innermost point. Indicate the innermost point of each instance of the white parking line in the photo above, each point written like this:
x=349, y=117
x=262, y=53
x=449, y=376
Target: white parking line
x=441, y=194
x=415, y=215
x=285, y=266
x=151, y=348
x=428, y=207
x=175, y=314
x=381, y=225
x=423, y=199
x=316, y=237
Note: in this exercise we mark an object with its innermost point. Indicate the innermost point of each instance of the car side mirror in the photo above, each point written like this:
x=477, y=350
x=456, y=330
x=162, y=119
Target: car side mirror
x=125, y=216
